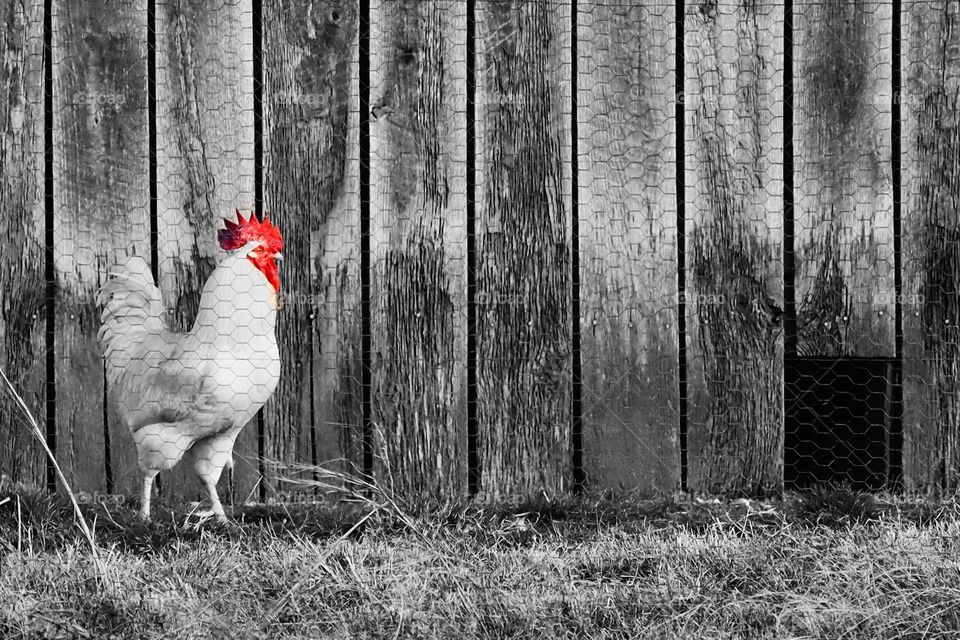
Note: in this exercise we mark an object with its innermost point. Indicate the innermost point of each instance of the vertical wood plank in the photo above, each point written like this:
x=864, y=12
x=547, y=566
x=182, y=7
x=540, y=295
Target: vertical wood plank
x=628, y=244
x=311, y=190
x=205, y=170
x=931, y=283
x=733, y=100
x=844, y=207
x=418, y=241
x=101, y=203
x=523, y=246
x=22, y=310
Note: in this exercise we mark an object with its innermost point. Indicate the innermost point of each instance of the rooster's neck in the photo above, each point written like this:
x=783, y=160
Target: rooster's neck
x=236, y=302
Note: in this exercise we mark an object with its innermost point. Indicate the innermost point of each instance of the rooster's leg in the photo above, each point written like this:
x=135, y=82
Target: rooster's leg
x=160, y=446
x=231, y=497
x=215, y=507
x=211, y=456
x=148, y=477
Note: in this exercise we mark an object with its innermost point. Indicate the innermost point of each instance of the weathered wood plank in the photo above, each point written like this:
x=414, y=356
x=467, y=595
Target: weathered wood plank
x=931, y=243
x=205, y=170
x=311, y=189
x=22, y=310
x=628, y=250
x=523, y=246
x=418, y=241
x=844, y=207
x=101, y=203
x=733, y=98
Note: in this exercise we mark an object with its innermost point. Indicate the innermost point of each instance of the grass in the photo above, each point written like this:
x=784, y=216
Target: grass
x=829, y=564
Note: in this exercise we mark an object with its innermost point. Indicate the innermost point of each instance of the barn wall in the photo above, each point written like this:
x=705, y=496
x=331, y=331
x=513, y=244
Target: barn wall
x=628, y=245
x=23, y=311
x=310, y=189
x=101, y=210
x=734, y=272
x=844, y=207
x=598, y=302
x=523, y=264
x=418, y=244
x=931, y=291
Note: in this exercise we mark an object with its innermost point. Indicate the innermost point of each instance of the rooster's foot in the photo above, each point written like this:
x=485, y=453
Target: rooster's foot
x=204, y=515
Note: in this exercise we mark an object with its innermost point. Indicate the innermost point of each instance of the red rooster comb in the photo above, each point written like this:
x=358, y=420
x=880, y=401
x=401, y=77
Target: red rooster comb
x=243, y=231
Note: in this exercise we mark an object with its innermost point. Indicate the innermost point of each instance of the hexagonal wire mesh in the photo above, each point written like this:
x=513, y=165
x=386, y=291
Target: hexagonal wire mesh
x=844, y=246
x=509, y=268
x=418, y=244
x=628, y=242
x=24, y=319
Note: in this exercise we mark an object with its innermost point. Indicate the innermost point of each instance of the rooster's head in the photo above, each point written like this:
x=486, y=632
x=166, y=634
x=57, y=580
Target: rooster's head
x=264, y=257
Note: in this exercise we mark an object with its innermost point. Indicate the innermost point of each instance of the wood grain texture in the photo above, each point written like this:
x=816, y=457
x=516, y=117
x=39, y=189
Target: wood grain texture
x=844, y=220
x=101, y=203
x=418, y=241
x=205, y=170
x=628, y=248
x=22, y=310
x=931, y=283
x=523, y=264
x=311, y=190
x=734, y=183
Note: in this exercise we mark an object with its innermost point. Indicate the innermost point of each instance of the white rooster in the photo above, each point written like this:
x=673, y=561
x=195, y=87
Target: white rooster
x=190, y=394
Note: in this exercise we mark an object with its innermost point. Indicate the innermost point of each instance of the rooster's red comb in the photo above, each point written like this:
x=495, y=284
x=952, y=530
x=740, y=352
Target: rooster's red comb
x=243, y=231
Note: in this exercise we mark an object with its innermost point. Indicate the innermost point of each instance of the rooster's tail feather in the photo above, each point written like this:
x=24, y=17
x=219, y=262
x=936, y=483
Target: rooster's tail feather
x=132, y=310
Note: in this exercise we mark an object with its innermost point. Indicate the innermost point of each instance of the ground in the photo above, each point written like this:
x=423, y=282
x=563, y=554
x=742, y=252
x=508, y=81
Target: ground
x=829, y=564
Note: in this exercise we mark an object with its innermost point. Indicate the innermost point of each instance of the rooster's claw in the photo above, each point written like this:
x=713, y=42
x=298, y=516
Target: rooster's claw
x=205, y=515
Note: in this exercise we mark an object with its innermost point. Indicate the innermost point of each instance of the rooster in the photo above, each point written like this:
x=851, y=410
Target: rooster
x=190, y=394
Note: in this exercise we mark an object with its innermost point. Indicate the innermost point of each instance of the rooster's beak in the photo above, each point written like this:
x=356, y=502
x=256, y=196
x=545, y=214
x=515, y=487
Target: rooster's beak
x=278, y=256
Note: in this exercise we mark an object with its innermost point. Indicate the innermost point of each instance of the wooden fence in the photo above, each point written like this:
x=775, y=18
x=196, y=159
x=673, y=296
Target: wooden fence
x=530, y=244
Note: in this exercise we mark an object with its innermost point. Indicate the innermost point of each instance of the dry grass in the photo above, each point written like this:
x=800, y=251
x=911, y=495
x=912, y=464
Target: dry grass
x=827, y=565
x=34, y=427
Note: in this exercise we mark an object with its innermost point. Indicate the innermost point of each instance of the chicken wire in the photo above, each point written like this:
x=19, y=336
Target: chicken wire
x=503, y=272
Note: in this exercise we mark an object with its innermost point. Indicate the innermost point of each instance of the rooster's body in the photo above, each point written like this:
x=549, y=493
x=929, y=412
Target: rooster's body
x=190, y=394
